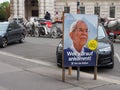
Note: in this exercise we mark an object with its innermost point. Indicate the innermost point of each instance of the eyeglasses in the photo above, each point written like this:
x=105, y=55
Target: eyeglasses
x=83, y=30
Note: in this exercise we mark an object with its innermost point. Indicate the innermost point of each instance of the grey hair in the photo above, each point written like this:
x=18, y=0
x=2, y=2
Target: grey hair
x=74, y=25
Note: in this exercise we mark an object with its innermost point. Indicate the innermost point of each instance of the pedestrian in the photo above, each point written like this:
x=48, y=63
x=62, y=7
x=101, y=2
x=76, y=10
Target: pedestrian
x=47, y=16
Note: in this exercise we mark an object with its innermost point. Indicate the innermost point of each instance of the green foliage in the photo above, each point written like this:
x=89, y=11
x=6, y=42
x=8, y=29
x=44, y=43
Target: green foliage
x=4, y=11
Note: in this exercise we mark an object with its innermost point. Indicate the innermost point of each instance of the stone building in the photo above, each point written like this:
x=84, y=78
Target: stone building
x=37, y=8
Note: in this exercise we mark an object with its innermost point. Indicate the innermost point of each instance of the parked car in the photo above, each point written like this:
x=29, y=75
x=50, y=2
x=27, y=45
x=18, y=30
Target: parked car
x=11, y=32
x=105, y=50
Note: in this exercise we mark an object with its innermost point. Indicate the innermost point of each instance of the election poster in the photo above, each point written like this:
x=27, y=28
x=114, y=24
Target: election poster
x=80, y=39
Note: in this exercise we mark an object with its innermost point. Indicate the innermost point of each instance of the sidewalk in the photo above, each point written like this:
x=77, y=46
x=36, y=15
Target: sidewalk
x=47, y=77
x=86, y=81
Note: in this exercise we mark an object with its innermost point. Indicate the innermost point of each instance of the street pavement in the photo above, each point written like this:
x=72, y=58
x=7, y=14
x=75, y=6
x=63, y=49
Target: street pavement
x=48, y=77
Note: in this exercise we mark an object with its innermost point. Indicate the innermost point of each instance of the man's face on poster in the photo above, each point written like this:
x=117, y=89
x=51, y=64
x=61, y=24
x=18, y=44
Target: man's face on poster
x=80, y=34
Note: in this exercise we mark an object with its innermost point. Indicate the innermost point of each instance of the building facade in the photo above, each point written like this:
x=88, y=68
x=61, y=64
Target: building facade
x=37, y=8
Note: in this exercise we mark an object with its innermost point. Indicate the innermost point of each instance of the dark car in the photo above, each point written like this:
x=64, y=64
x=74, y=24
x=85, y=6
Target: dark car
x=105, y=50
x=11, y=32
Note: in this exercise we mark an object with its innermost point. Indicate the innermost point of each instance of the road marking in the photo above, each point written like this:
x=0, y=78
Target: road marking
x=42, y=62
x=118, y=57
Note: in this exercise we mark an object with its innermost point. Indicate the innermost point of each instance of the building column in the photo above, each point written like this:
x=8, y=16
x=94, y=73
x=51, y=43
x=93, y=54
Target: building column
x=49, y=6
x=46, y=5
x=21, y=9
x=13, y=9
x=41, y=6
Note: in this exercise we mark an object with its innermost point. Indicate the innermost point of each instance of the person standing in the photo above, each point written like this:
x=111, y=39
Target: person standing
x=47, y=16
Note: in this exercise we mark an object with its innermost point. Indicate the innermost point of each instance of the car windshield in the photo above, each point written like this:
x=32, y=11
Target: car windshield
x=3, y=28
x=101, y=33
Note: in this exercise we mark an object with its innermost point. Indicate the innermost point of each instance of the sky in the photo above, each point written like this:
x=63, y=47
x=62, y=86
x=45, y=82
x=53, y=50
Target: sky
x=4, y=1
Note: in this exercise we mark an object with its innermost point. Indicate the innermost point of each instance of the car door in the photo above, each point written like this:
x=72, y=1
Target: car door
x=17, y=31
x=10, y=32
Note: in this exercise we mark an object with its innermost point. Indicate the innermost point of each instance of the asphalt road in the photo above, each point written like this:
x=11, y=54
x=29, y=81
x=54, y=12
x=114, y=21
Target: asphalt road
x=42, y=50
x=32, y=66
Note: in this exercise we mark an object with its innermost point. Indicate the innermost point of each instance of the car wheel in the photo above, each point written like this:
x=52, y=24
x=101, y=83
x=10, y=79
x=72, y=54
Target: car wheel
x=59, y=64
x=111, y=66
x=22, y=38
x=54, y=32
x=4, y=43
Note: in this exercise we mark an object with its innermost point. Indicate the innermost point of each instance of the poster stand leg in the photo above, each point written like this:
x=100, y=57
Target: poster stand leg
x=69, y=70
x=78, y=73
x=63, y=74
x=95, y=72
x=95, y=67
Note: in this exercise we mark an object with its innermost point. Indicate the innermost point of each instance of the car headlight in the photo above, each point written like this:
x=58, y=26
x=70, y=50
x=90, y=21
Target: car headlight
x=106, y=49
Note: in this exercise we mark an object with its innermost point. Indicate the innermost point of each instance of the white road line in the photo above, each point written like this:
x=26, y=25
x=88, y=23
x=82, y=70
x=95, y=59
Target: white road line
x=118, y=57
x=26, y=59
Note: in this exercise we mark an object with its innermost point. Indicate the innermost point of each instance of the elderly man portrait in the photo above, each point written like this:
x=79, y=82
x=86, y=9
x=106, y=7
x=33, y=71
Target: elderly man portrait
x=78, y=51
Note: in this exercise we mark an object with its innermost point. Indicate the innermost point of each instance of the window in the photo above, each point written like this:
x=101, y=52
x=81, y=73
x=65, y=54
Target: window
x=101, y=33
x=16, y=26
x=34, y=3
x=82, y=10
x=97, y=10
x=3, y=27
x=67, y=9
x=11, y=26
x=35, y=13
x=112, y=12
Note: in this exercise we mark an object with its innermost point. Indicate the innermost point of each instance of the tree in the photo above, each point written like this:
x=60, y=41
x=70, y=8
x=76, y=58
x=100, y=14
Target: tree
x=4, y=11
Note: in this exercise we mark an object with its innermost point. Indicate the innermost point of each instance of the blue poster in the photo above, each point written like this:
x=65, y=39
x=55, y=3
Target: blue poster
x=79, y=29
